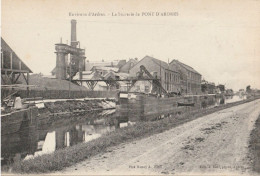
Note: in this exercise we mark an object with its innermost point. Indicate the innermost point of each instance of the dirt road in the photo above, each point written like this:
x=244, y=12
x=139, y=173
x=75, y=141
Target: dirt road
x=216, y=143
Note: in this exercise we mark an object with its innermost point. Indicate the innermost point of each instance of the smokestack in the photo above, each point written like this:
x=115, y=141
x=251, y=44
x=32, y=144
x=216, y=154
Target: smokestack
x=74, y=42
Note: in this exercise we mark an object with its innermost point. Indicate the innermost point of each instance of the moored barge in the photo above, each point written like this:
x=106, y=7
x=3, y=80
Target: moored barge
x=11, y=122
x=141, y=106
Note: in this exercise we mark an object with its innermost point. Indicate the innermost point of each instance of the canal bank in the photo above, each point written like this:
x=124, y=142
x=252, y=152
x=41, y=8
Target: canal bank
x=214, y=144
x=69, y=156
x=53, y=110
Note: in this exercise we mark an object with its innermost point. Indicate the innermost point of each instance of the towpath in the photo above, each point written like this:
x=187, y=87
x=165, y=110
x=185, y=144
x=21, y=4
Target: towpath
x=215, y=143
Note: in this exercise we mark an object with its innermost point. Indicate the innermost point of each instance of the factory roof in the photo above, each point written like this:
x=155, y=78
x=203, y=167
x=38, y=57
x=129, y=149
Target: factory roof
x=187, y=67
x=114, y=63
x=17, y=64
x=161, y=63
x=115, y=69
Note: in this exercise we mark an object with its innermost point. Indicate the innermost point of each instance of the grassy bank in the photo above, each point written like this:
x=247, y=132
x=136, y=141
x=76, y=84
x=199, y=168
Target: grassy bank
x=254, y=146
x=63, y=158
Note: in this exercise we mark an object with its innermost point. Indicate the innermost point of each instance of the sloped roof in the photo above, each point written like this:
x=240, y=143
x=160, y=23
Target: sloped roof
x=87, y=75
x=114, y=63
x=122, y=75
x=6, y=48
x=127, y=66
x=162, y=64
x=187, y=67
x=115, y=69
x=53, y=70
x=109, y=75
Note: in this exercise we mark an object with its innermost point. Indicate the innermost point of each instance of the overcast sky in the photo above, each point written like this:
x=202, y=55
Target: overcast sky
x=220, y=39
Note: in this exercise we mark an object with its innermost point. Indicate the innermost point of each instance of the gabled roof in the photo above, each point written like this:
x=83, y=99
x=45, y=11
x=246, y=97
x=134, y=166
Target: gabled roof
x=127, y=66
x=162, y=64
x=6, y=48
x=185, y=66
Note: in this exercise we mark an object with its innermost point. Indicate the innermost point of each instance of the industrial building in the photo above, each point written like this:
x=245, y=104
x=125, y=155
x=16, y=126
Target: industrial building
x=12, y=69
x=66, y=67
x=190, y=78
x=168, y=75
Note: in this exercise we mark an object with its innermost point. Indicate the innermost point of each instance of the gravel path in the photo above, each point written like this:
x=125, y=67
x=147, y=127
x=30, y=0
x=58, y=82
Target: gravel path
x=213, y=144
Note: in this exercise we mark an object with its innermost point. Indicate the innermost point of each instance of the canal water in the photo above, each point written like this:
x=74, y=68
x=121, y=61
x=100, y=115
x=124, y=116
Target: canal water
x=45, y=138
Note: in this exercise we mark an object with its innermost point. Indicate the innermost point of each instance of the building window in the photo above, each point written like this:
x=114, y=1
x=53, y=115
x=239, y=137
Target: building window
x=146, y=89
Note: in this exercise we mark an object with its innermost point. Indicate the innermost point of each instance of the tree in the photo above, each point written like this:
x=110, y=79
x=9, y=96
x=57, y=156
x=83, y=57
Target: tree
x=248, y=89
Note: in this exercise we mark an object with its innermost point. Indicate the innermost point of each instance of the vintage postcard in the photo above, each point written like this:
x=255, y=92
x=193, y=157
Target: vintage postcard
x=130, y=87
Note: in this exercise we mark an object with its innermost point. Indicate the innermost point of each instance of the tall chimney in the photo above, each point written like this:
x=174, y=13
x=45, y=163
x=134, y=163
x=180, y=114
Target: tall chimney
x=74, y=42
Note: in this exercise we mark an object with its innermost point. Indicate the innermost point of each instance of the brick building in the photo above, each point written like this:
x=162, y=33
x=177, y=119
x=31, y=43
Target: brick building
x=190, y=78
x=170, y=78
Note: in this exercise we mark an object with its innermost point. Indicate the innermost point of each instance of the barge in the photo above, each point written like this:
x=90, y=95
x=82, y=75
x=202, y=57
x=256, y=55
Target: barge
x=146, y=106
x=141, y=106
x=12, y=122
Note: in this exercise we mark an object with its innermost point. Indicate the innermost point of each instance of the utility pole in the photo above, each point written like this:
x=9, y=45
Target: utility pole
x=160, y=78
x=70, y=76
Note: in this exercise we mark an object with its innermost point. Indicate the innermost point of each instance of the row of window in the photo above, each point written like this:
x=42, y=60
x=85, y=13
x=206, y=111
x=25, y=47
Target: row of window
x=171, y=87
x=193, y=87
x=171, y=77
x=146, y=89
x=194, y=76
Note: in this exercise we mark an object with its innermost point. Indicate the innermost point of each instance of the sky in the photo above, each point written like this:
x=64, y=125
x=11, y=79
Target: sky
x=218, y=38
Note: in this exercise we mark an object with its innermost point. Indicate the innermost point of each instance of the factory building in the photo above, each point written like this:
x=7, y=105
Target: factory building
x=168, y=74
x=67, y=69
x=190, y=78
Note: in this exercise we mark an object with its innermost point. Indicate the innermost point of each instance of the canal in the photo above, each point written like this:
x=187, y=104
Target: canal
x=36, y=140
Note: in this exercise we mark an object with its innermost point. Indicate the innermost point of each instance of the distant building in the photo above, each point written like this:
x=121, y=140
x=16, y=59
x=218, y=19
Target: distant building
x=104, y=70
x=229, y=92
x=115, y=63
x=190, y=78
x=221, y=88
x=109, y=70
x=170, y=78
x=103, y=73
x=128, y=65
x=208, y=87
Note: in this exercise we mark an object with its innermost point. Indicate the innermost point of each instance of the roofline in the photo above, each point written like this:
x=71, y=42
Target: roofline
x=187, y=66
x=162, y=66
x=30, y=71
x=155, y=63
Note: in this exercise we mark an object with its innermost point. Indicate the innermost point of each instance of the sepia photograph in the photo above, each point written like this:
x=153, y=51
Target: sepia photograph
x=130, y=87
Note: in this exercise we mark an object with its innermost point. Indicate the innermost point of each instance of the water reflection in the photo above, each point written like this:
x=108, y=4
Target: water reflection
x=30, y=141
x=33, y=141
